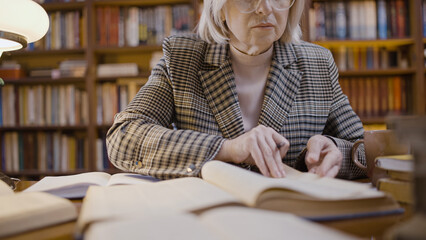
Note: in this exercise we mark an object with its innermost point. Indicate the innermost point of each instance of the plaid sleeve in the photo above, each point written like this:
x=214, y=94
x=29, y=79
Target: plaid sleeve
x=344, y=127
x=141, y=141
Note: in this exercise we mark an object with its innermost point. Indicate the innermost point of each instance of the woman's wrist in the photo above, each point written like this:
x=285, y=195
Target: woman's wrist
x=224, y=153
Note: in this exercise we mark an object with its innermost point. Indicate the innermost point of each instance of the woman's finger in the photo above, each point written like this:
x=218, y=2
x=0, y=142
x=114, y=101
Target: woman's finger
x=272, y=157
x=258, y=159
x=333, y=171
x=331, y=159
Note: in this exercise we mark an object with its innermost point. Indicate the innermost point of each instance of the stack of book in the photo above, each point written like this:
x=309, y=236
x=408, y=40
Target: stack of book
x=117, y=69
x=400, y=182
x=73, y=68
x=11, y=70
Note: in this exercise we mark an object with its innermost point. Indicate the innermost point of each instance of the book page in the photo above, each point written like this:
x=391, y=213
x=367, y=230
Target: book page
x=215, y=224
x=27, y=211
x=252, y=224
x=247, y=186
x=72, y=186
x=130, y=178
x=401, y=163
x=176, y=195
x=5, y=189
x=176, y=226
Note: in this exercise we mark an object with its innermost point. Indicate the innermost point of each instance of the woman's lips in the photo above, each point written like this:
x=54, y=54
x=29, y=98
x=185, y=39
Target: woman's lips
x=263, y=25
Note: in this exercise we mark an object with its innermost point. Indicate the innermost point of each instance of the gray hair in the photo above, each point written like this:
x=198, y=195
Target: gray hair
x=213, y=29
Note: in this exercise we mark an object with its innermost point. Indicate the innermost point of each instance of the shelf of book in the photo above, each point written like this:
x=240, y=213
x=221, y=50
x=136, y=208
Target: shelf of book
x=61, y=6
x=123, y=50
x=375, y=44
x=74, y=46
x=34, y=53
x=142, y=75
x=396, y=42
x=140, y=3
x=36, y=173
x=377, y=72
x=41, y=80
x=43, y=128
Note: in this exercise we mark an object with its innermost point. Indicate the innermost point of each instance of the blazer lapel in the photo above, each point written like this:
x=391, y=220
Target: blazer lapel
x=219, y=87
x=220, y=90
x=281, y=88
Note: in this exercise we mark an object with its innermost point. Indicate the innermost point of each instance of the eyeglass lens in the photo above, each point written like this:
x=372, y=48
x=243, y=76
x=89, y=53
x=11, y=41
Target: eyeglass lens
x=248, y=6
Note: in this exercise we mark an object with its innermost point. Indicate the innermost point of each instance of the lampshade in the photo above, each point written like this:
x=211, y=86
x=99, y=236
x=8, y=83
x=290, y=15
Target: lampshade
x=21, y=22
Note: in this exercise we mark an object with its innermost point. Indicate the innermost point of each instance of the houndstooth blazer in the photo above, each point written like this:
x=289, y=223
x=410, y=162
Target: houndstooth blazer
x=193, y=88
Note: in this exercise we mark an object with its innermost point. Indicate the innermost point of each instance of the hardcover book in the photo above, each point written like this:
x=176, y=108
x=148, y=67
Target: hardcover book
x=21, y=212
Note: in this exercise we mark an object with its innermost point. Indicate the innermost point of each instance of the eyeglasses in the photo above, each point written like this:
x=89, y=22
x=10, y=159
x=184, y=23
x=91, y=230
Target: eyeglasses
x=249, y=6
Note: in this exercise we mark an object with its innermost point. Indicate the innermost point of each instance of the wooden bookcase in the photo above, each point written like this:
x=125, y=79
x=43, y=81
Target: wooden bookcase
x=94, y=53
x=410, y=44
x=90, y=50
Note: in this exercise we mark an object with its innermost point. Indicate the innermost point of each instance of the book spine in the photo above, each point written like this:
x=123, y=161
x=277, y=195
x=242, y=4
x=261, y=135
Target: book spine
x=382, y=19
x=424, y=18
x=375, y=97
x=397, y=98
x=340, y=20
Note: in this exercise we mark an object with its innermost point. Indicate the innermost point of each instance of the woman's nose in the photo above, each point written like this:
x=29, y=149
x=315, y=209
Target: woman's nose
x=263, y=7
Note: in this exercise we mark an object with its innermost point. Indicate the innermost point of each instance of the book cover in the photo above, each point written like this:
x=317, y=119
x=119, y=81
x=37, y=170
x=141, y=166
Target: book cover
x=402, y=191
x=22, y=212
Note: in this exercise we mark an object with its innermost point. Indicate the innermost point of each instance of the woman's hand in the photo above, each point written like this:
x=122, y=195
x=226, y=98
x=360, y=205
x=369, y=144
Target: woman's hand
x=323, y=157
x=261, y=146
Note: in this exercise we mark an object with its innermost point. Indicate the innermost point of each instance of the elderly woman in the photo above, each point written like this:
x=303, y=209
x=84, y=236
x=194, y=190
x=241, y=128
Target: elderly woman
x=244, y=90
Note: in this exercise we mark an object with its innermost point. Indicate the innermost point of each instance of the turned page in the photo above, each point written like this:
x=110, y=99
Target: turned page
x=130, y=178
x=176, y=195
x=247, y=186
x=75, y=186
x=56, y=182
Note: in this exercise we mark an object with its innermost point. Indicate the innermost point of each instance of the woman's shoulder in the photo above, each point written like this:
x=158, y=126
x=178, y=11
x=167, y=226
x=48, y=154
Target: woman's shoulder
x=183, y=41
x=304, y=48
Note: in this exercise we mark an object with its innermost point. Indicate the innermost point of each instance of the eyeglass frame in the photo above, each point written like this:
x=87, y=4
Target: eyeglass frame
x=254, y=9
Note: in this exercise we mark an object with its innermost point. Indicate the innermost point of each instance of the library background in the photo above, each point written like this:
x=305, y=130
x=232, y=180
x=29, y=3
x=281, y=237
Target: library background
x=61, y=93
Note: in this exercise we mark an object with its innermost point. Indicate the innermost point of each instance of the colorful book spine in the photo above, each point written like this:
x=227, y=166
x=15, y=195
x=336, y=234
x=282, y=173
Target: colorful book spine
x=377, y=96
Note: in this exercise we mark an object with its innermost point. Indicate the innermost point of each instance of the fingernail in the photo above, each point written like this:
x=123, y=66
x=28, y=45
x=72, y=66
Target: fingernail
x=279, y=145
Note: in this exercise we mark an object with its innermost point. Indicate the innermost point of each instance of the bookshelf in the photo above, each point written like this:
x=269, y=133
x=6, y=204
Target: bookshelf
x=383, y=50
x=36, y=141
x=95, y=42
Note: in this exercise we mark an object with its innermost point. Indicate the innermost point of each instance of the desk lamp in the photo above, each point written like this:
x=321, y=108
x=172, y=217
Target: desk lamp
x=21, y=22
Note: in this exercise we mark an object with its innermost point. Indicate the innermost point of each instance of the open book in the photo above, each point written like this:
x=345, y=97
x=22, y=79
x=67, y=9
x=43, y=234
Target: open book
x=303, y=194
x=20, y=212
x=229, y=222
x=75, y=186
